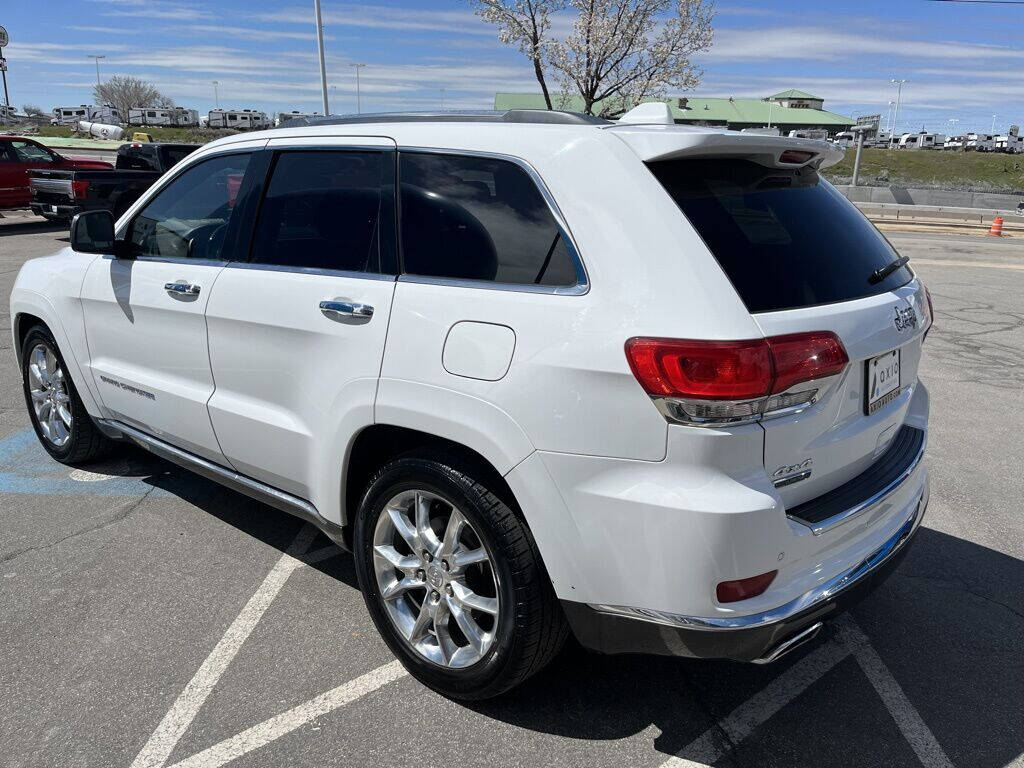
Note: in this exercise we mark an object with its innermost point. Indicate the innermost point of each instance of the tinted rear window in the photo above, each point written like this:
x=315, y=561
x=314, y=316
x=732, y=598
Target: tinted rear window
x=785, y=238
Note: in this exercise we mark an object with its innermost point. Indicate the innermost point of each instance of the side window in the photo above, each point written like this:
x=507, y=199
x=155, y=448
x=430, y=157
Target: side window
x=31, y=153
x=321, y=211
x=189, y=217
x=7, y=153
x=478, y=218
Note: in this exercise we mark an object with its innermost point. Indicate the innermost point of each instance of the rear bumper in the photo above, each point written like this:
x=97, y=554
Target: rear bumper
x=760, y=638
x=54, y=211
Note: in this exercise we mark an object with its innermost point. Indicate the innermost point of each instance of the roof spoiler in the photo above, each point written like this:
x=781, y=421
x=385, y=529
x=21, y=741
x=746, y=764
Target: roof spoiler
x=656, y=142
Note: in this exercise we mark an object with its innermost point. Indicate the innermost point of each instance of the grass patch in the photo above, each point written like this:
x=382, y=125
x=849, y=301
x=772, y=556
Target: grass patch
x=964, y=171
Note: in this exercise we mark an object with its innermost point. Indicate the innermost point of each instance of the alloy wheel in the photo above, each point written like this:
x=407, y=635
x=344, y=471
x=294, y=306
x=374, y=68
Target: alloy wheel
x=51, y=401
x=436, y=579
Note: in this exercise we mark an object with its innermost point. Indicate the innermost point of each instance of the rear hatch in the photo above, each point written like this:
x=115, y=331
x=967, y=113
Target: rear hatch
x=803, y=259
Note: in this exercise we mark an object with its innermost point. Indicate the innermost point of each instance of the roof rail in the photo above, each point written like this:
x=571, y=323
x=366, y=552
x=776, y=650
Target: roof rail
x=543, y=116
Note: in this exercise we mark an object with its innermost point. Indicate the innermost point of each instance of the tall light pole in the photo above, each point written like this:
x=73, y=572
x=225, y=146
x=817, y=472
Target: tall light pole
x=216, y=98
x=993, y=131
x=888, y=118
x=359, y=98
x=896, y=112
x=97, y=59
x=320, y=49
x=952, y=124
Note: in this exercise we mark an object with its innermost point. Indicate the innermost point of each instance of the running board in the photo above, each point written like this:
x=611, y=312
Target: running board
x=254, y=489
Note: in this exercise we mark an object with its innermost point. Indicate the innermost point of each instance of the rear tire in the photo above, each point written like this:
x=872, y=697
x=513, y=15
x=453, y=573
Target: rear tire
x=58, y=416
x=470, y=613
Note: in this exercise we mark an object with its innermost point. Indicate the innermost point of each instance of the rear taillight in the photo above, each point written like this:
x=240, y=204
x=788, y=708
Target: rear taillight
x=716, y=382
x=742, y=589
x=79, y=189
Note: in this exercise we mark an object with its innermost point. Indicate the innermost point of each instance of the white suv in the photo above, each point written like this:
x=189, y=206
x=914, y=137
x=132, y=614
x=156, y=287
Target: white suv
x=653, y=384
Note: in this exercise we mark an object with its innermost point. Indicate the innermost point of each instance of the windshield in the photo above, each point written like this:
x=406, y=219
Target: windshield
x=786, y=238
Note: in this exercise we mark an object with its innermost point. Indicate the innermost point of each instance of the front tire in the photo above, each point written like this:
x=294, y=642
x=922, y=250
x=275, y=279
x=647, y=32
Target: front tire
x=58, y=416
x=453, y=580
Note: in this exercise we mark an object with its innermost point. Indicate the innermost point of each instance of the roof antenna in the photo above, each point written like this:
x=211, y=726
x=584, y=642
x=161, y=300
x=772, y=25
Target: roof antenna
x=650, y=113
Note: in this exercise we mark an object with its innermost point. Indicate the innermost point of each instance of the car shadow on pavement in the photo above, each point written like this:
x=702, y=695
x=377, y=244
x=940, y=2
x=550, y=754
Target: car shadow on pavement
x=947, y=625
x=23, y=226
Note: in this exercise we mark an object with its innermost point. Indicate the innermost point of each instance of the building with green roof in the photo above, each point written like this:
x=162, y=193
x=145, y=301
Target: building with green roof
x=788, y=111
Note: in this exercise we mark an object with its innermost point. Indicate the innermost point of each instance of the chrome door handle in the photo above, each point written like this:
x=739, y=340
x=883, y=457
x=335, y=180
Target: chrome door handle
x=346, y=308
x=187, y=289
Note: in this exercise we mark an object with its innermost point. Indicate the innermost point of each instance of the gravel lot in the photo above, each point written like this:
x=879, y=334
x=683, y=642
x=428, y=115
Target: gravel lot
x=149, y=617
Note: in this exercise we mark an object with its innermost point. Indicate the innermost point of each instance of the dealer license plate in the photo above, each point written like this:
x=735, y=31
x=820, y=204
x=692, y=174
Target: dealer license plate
x=882, y=381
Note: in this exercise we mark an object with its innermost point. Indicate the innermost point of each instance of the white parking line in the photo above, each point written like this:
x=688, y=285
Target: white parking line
x=262, y=734
x=914, y=730
x=188, y=704
x=709, y=747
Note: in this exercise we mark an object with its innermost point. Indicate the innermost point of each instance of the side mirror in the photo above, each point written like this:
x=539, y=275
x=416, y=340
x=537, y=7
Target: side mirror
x=93, y=232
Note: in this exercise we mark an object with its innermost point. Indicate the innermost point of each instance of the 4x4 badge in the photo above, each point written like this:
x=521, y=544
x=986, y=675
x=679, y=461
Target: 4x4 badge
x=905, y=318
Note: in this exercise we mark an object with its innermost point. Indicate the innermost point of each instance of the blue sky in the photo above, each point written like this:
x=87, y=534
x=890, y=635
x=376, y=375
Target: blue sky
x=963, y=61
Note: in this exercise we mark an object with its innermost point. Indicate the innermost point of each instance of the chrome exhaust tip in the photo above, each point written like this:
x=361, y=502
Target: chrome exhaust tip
x=793, y=643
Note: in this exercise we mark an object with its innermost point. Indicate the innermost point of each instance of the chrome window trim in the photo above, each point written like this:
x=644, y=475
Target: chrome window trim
x=582, y=286
x=309, y=271
x=171, y=260
x=839, y=583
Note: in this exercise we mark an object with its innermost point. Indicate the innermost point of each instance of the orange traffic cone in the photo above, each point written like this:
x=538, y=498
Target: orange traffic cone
x=997, y=227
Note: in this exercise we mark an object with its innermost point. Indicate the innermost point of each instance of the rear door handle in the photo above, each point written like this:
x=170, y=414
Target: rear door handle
x=181, y=287
x=346, y=308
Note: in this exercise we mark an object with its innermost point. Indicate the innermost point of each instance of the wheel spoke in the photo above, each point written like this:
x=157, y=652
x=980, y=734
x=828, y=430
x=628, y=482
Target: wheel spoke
x=445, y=644
x=469, y=627
x=423, y=621
x=38, y=396
x=58, y=428
x=469, y=599
x=427, y=536
x=456, y=522
x=404, y=527
x=65, y=415
x=395, y=558
x=399, y=587
x=467, y=557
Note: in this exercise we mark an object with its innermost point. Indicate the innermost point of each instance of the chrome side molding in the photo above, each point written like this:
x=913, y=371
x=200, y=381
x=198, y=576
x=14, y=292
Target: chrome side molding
x=254, y=489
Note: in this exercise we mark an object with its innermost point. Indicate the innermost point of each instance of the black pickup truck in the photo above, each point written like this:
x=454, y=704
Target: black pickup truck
x=59, y=195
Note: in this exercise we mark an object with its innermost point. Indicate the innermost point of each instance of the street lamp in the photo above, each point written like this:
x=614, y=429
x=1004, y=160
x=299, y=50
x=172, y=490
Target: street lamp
x=97, y=59
x=888, y=118
x=359, y=101
x=896, y=112
x=993, y=131
x=216, y=99
x=320, y=50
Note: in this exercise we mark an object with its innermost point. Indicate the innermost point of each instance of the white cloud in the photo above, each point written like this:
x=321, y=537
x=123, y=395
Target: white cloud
x=383, y=17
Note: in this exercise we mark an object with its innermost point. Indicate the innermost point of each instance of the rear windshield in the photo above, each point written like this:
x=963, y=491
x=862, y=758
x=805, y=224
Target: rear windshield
x=786, y=238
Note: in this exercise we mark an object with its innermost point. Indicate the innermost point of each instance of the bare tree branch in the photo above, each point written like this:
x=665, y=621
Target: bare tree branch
x=621, y=52
x=525, y=24
x=127, y=92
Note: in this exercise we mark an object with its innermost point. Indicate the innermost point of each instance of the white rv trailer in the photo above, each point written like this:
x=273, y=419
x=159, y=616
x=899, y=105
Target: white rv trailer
x=954, y=142
x=149, y=116
x=70, y=115
x=285, y=117
x=979, y=142
x=1010, y=142
x=922, y=140
x=185, y=117
x=163, y=116
x=240, y=119
x=809, y=133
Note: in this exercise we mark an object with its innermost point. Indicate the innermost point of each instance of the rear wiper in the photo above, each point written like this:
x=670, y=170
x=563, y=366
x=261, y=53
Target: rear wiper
x=880, y=274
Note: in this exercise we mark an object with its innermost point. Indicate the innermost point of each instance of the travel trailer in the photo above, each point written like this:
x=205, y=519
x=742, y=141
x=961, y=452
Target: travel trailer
x=809, y=133
x=1010, y=142
x=979, y=142
x=284, y=117
x=954, y=142
x=157, y=116
x=105, y=114
x=922, y=140
x=240, y=119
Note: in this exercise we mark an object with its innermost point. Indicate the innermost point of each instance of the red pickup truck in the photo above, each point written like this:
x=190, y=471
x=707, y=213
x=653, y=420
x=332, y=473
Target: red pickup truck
x=18, y=156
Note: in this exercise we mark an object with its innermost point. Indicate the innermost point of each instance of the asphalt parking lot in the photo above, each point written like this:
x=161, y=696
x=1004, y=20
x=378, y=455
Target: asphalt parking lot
x=149, y=617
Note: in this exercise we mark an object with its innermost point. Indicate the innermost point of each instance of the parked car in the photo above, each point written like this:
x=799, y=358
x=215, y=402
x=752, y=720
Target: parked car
x=19, y=156
x=540, y=372
x=60, y=194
